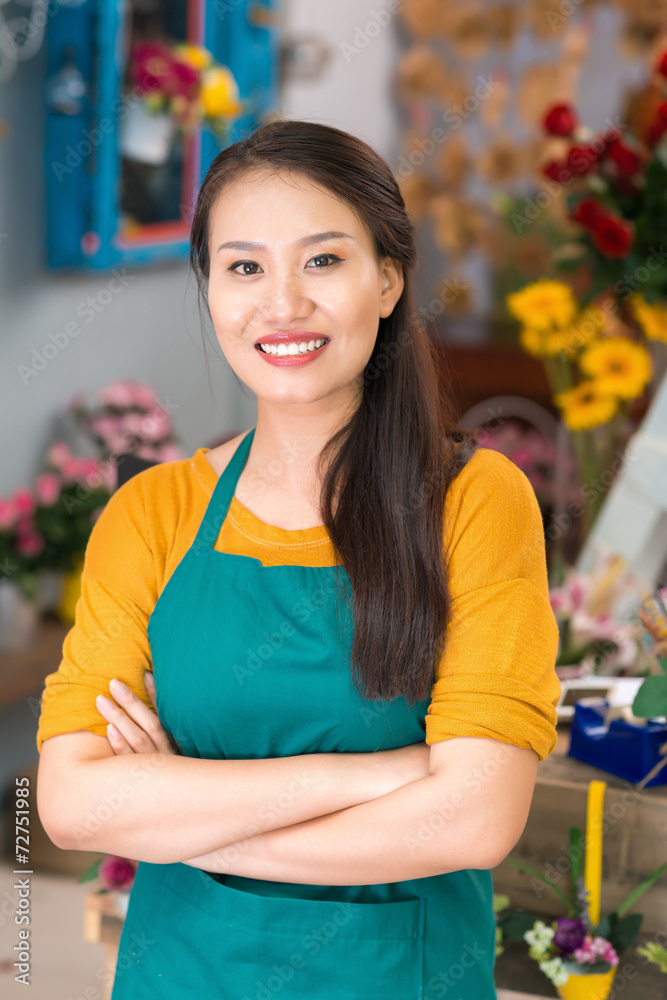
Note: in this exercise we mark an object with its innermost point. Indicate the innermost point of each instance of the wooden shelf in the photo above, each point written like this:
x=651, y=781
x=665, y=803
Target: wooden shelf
x=23, y=673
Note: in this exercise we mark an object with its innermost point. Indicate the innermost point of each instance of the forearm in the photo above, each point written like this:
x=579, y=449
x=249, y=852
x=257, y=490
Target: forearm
x=418, y=830
x=162, y=808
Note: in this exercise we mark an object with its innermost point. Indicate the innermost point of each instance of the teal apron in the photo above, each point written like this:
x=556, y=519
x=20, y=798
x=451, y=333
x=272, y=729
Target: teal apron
x=253, y=661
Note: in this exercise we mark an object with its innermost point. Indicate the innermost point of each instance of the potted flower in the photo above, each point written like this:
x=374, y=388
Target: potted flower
x=579, y=952
x=125, y=417
x=181, y=87
x=116, y=878
x=44, y=529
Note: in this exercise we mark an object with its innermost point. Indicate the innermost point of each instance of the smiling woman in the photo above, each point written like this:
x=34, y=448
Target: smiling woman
x=353, y=665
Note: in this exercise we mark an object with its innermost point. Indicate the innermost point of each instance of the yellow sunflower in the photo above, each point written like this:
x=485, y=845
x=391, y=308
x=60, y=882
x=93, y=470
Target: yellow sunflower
x=620, y=367
x=651, y=318
x=533, y=341
x=586, y=406
x=543, y=304
x=580, y=333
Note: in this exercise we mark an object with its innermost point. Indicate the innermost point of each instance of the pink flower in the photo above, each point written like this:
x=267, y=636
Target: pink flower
x=30, y=544
x=47, y=488
x=8, y=514
x=58, y=453
x=71, y=469
x=24, y=501
x=117, y=873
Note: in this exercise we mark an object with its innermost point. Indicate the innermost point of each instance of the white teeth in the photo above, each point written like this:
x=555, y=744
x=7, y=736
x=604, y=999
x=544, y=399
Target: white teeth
x=290, y=349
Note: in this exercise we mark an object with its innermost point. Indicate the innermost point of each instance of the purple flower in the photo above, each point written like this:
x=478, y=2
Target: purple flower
x=569, y=934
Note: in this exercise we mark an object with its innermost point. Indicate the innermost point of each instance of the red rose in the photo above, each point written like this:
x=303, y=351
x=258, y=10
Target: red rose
x=580, y=159
x=557, y=170
x=151, y=65
x=184, y=80
x=612, y=236
x=661, y=112
x=627, y=161
x=655, y=132
x=588, y=212
x=661, y=65
x=560, y=119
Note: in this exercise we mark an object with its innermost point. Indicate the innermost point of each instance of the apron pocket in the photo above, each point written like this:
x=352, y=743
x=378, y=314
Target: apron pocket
x=250, y=947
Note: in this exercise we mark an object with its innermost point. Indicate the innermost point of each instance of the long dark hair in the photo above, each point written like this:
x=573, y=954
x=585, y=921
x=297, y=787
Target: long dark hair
x=389, y=467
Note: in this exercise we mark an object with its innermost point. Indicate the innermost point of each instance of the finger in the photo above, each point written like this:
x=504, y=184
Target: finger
x=136, y=737
x=145, y=718
x=117, y=741
x=149, y=684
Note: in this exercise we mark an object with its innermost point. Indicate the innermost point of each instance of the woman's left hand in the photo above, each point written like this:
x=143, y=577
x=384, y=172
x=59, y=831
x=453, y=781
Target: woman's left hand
x=133, y=727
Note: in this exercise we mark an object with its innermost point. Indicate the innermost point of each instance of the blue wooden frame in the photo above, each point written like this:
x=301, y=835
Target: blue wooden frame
x=82, y=161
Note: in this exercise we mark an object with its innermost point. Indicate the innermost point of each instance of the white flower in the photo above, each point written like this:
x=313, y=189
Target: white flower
x=555, y=971
x=539, y=936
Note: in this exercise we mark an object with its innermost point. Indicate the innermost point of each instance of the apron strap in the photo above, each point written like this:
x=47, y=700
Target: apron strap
x=218, y=505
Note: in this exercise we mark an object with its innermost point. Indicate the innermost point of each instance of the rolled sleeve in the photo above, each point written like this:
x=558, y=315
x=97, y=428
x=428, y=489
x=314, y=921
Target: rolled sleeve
x=496, y=676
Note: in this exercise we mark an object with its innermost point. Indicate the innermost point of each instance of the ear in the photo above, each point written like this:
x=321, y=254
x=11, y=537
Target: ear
x=391, y=285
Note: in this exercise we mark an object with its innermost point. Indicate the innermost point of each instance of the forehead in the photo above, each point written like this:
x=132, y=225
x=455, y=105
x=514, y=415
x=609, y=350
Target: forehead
x=269, y=206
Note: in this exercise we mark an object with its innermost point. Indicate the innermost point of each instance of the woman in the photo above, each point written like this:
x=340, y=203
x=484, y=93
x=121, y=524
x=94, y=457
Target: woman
x=346, y=614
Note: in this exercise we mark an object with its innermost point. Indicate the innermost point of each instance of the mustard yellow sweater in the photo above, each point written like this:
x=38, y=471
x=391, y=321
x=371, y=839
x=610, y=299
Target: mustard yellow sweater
x=496, y=677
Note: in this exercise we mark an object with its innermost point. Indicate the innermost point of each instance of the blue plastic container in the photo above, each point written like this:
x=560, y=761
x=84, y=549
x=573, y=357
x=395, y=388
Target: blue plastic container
x=627, y=751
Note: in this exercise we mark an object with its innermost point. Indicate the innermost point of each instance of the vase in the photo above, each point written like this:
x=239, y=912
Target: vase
x=70, y=592
x=19, y=617
x=146, y=137
x=121, y=901
x=594, y=987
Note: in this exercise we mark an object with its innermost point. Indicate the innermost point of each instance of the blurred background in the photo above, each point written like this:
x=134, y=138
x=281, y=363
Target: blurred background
x=529, y=140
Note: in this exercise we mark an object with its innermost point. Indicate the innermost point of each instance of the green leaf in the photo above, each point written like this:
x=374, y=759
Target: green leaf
x=637, y=893
x=606, y=926
x=545, y=880
x=92, y=872
x=626, y=931
x=515, y=923
x=651, y=699
x=576, y=857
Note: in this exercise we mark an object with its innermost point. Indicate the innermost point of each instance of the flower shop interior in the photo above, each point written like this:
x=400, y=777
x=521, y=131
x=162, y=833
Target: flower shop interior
x=529, y=142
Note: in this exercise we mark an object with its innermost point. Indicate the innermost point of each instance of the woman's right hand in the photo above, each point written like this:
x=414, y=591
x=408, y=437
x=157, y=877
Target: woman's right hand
x=400, y=766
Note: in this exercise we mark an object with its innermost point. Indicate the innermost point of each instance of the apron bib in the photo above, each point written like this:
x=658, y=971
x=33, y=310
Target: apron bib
x=253, y=661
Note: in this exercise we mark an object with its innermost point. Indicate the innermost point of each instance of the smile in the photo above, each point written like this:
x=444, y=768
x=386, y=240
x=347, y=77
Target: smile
x=289, y=355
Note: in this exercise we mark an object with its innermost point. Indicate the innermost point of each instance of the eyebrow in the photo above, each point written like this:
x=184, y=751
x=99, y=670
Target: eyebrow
x=303, y=242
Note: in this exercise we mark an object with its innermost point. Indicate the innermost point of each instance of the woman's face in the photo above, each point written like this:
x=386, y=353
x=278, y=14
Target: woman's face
x=284, y=280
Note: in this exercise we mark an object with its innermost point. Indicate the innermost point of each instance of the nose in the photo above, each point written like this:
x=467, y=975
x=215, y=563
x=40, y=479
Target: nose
x=285, y=301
